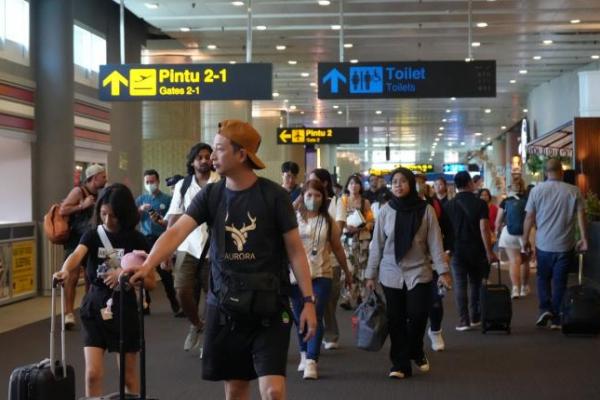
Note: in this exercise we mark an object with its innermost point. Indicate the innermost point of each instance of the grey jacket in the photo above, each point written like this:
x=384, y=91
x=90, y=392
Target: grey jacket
x=415, y=267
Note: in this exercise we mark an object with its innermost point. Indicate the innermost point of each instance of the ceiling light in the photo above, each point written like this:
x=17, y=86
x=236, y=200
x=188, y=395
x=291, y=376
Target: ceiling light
x=305, y=74
x=444, y=120
x=280, y=47
x=286, y=100
x=478, y=134
x=378, y=112
x=152, y=6
x=184, y=29
x=547, y=42
x=489, y=138
x=482, y=24
x=440, y=134
x=523, y=71
x=275, y=94
x=453, y=98
x=575, y=21
x=431, y=159
x=595, y=57
x=513, y=81
x=301, y=112
x=503, y=127
x=437, y=139
x=292, y=62
x=450, y=144
x=537, y=57
x=313, y=84
x=292, y=107
x=335, y=107
x=348, y=45
x=353, y=61
x=468, y=59
x=237, y=3
x=232, y=62
x=475, y=44
x=462, y=143
x=212, y=47
x=315, y=121
x=441, y=128
x=336, y=27
x=525, y=110
x=448, y=111
x=340, y=112
x=488, y=110
x=324, y=3
x=261, y=28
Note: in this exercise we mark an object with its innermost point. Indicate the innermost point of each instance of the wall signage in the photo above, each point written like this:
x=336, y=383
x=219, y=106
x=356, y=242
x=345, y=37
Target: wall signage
x=317, y=136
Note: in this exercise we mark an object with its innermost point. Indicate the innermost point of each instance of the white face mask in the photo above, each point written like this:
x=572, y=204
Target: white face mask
x=312, y=204
x=151, y=187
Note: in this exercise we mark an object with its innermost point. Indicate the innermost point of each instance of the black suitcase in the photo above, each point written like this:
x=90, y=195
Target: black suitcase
x=581, y=308
x=121, y=395
x=496, y=306
x=48, y=379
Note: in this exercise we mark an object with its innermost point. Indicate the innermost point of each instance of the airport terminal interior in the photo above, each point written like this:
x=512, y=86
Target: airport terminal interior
x=445, y=144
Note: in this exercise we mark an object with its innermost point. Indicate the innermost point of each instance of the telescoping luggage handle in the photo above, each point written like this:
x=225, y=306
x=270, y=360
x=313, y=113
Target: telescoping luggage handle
x=580, y=273
x=55, y=284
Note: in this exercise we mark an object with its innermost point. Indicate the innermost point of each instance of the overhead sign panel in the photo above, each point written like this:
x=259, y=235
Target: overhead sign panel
x=136, y=82
x=411, y=79
x=317, y=136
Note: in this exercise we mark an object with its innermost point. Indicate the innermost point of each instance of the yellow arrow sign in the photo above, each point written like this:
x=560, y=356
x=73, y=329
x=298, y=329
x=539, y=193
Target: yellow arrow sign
x=115, y=79
x=284, y=136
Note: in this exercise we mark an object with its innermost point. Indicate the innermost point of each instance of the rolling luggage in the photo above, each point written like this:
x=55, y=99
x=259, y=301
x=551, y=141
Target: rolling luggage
x=496, y=306
x=581, y=308
x=48, y=379
x=121, y=395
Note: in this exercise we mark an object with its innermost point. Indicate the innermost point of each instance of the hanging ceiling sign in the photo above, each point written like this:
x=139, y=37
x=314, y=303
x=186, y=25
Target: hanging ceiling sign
x=411, y=79
x=317, y=136
x=163, y=82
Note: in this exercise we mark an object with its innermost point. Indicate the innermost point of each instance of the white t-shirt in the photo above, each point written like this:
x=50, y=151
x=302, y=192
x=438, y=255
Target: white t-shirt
x=195, y=241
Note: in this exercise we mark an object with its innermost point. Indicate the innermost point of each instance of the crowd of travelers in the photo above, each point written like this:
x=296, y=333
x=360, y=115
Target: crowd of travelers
x=243, y=259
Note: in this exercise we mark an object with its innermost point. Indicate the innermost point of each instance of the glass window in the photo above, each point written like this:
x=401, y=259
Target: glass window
x=89, y=52
x=14, y=30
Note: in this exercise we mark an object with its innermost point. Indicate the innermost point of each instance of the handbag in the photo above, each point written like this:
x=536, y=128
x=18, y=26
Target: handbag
x=249, y=296
x=356, y=219
x=372, y=324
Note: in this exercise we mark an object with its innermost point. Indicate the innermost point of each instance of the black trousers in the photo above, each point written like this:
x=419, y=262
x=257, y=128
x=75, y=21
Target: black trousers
x=407, y=312
x=166, y=277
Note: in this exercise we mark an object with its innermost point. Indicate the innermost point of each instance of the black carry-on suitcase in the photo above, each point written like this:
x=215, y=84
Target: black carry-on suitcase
x=49, y=379
x=581, y=308
x=121, y=395
x=496, y=306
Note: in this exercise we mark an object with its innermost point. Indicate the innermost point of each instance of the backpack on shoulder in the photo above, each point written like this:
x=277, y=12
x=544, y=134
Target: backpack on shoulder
x=56, y=226
x=515, y=215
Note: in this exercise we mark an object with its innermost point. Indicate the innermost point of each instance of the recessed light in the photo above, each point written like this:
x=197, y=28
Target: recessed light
x=488, y=110
x=475, y=44
x=353, y=61
x=503, y=127
x=237, y=3
x=348, y=45
x=547, y=42
x=313, y=84
x=280, y=47
x=595, y=57
x=448, y=111
x=575, y=21
x=513, y=81
x=285, y=100
x=441, y=128
x=453, y=98
x=292, y=62
x=431, y=159
x=440, y=134
x=336, y=27
x=184, y=29
x=212, y=47
x=462, y=143
x=335, y=106
x=305, y=74
x=478, y=134
x=275, y=94
x=437, y=139
x=315, y=121
x=525, y=110
x=340, y=112
x=324, y=3
x=449, y=144
x=378, y=112
x=468, y=59
x=152, y=6
x=261, y=27
x=523, y=71
x=489, y=138
x=537, y=57
x=482, y=24
x=301, y=112
x=232, y=62
x=444, y=120
x=293, y=107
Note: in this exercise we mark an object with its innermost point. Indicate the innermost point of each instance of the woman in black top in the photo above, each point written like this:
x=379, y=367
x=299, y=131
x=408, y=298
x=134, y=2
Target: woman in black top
x=115, y=212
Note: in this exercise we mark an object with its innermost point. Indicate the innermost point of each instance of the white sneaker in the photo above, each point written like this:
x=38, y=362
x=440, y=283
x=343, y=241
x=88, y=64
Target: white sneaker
x=437, y=341
x=69, y=321
x=310, y=371
x=302, y=364
x=192, y=340
x=525, y=290
x=331, y=345
x=515, y=292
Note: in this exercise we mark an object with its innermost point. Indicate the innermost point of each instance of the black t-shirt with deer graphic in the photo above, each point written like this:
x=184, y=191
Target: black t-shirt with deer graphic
x=253, y=222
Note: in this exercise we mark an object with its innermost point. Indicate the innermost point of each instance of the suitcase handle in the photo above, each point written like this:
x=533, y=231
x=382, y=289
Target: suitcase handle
x=580, y=274
x=53, y=361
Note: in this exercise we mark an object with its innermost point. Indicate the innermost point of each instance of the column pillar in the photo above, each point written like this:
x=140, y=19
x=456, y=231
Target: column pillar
x=212, y=112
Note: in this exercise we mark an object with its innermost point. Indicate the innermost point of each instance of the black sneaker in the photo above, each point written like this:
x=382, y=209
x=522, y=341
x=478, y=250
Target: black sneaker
x=422, y=363
x=544, y=319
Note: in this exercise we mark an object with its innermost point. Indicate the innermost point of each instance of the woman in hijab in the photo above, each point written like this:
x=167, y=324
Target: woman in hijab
x=406, y=237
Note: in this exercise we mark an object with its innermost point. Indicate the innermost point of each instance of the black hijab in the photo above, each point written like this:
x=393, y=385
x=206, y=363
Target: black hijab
x=409, y=215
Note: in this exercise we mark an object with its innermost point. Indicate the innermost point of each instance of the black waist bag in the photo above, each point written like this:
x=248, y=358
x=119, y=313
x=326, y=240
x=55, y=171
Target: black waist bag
x=250, y=296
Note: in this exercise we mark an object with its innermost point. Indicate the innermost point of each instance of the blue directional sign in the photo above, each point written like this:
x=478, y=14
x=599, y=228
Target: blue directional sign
x=411, y=79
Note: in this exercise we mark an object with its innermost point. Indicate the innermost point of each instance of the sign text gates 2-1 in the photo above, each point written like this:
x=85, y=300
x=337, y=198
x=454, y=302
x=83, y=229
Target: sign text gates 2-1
x=414, y=79
x=135, y=82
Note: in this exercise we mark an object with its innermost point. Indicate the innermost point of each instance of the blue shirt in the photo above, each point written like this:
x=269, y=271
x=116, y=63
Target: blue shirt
x=159, y=203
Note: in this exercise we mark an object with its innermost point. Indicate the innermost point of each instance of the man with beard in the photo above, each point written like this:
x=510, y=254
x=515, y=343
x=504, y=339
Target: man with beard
x=189, y=253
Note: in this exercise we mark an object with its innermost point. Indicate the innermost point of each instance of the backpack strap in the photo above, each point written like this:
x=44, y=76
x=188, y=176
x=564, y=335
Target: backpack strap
x=111, y=254
x=185, y=185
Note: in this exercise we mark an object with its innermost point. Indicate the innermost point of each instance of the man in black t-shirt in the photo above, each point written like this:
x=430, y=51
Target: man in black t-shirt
x=253, y=230
x=472, y=249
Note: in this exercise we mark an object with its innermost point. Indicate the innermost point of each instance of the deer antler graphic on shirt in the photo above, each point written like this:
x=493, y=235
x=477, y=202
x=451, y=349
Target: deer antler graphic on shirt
x=240, y=236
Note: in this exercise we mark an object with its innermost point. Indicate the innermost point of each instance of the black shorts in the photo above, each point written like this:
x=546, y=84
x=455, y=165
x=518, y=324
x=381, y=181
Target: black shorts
x=97, y=332
x=246, y=352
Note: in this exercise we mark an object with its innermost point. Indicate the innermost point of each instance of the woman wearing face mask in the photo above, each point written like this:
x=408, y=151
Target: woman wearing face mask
x=320, y=236
x=356, y=237
x=406, y=237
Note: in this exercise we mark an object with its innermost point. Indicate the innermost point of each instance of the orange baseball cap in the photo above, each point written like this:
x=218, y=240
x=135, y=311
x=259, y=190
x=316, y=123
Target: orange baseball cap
x=243, y=134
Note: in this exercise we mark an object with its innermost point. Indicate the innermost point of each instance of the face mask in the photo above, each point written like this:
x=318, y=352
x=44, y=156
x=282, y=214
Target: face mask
x=151, y=188
x=312, y=204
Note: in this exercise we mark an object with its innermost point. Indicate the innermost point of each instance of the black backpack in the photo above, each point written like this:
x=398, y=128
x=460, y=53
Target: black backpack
x=515, y=215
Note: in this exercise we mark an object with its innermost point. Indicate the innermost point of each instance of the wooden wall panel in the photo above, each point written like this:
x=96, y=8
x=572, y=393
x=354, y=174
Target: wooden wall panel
x=587, y=154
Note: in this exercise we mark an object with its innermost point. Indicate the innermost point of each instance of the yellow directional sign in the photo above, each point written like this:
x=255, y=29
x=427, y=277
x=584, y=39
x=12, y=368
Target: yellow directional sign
x=143, y=82
x=115, y=79
x=285, y=136
x=317, y=135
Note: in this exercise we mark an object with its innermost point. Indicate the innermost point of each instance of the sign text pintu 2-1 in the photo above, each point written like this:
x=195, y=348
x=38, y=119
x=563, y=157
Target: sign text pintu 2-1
x=317, y=136
x=411, y=79
x=135, y=82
